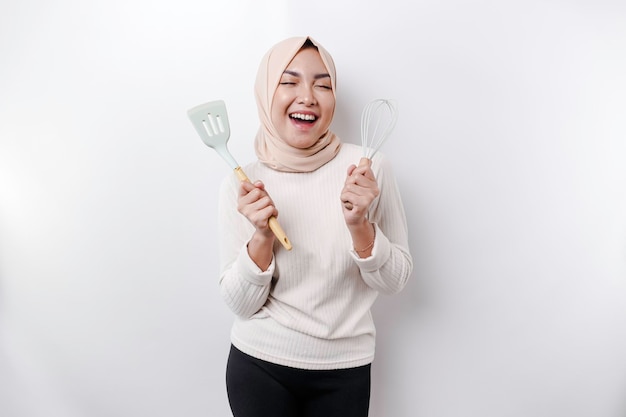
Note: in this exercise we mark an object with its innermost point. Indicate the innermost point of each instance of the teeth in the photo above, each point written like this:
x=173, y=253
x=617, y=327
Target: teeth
x=301, y=116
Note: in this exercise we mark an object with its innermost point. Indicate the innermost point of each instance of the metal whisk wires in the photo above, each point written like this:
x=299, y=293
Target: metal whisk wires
x=378, y=120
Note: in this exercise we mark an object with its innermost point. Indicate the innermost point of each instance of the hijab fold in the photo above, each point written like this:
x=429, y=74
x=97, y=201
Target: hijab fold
x=270, y=148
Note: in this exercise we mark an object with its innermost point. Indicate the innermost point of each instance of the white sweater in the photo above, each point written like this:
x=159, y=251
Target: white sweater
x=311, y=308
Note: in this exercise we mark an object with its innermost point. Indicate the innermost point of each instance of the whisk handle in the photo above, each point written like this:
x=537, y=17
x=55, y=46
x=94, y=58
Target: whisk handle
x=273, y=224
x=363, y=162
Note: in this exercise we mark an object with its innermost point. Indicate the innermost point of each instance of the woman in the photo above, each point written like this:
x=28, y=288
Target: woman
x=303, y=338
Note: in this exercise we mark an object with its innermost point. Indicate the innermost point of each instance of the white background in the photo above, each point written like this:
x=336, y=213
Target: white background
x=510, y=152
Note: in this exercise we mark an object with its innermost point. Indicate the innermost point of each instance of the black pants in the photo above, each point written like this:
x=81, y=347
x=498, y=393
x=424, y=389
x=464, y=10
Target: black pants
x=258, y=388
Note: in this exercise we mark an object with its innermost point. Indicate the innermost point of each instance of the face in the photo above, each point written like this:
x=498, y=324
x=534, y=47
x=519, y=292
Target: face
x=304, y=101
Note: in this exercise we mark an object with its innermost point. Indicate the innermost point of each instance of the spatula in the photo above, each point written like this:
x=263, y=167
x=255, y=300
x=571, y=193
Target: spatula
x=211, y=122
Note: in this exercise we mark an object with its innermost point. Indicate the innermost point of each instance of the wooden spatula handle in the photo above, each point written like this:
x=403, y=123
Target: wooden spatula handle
x=241, y=175
x=273, y=221
x=279, y=232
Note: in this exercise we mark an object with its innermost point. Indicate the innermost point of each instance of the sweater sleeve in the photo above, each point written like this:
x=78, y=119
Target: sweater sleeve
x=390, y=265
x=243, y=286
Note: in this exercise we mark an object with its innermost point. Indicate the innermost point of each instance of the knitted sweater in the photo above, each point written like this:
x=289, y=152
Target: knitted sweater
x=311, y=308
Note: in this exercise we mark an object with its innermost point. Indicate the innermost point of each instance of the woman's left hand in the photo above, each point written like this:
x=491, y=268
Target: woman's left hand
x=359, y=191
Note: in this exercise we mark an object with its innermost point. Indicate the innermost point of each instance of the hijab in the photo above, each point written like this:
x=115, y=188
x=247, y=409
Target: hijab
x=270, y=148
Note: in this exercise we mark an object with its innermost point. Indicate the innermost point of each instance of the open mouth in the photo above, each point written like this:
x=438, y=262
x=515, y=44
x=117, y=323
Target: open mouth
x=302, y=117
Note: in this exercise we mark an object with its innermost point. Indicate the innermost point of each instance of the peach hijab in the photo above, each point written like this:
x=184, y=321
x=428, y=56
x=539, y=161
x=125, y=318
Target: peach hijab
x=270, y=148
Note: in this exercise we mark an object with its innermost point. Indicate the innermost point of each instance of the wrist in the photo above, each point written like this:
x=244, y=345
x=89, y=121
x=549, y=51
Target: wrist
x=366, y=250
x=262, y=238
x=363, y=239
x=362, y=227
x=260, y=249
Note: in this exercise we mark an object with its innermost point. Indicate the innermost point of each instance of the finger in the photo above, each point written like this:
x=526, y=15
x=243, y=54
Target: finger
x=260, y=216
x=245, y=187
x=364, y=171
x=365, y=194
x=354, y=206
x=261, y=204
x=255, y=199
x=258, y=211
x=360, y=181
x=346, y=199
x=256, y=189
x=259, y=185
x=355, y=196
x=347, y=203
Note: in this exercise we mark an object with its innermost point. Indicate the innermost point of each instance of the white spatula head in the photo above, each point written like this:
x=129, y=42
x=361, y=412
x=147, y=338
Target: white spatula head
x=211, y=122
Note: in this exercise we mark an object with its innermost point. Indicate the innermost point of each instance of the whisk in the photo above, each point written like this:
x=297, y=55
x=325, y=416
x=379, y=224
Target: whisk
x=378, y=120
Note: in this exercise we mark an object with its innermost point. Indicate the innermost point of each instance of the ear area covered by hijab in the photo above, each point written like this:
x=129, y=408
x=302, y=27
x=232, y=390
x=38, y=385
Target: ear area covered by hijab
x=270, y=148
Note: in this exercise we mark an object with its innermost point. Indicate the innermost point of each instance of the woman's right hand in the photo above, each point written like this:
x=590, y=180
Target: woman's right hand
x=256, y=205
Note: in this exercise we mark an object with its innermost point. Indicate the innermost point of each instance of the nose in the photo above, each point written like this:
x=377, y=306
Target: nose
x=306, y=96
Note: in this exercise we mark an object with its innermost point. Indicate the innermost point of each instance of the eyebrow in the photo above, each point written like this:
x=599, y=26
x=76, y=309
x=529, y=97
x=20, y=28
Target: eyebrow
x=316, y=76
